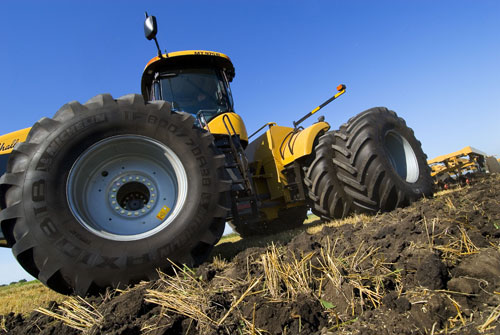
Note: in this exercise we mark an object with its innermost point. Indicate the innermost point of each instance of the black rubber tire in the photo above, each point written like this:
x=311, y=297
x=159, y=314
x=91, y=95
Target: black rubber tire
x=326, y=194
x=54, y=247
x=380, y=162
x=288, y=218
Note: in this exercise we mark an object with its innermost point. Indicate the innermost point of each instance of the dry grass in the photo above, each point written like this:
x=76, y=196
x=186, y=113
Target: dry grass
x=447, y=192
x=219, y=263
x=285, y=275
x=182, y=293
x=230, y=238
x=76, y=313
x=23, y=298
x=457, y=245
x=494, y=316
x=311, y=218
x=357, y=218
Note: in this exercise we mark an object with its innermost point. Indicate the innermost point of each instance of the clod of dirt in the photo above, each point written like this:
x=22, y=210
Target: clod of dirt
x=431, y=272
x=434, y=312
x=484, y=265
x=463, y=285
x=35, y=323
x=126, y=313
x=398, y=304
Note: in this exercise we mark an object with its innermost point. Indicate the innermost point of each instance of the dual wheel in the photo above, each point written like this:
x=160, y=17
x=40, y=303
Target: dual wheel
x=372, y=163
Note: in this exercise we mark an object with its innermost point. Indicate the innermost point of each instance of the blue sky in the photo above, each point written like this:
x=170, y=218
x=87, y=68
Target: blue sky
x=436, y=63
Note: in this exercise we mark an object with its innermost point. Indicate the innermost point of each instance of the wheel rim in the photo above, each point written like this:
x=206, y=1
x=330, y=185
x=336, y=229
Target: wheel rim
x=126, y=187
x=402, y=157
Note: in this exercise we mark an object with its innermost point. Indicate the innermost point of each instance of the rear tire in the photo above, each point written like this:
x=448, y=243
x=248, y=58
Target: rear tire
x=380, y=162
x=106, y=192
x=325, y=192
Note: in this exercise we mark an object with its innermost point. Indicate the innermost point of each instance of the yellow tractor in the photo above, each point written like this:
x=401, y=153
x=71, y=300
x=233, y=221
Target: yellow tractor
x=104, y=193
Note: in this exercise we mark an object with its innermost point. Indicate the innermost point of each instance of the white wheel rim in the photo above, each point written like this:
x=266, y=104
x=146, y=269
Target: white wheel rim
x=127, y=187
x=402, y=157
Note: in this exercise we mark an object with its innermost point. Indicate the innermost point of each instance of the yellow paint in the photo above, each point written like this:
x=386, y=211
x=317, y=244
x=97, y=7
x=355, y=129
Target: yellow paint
x=216, y=125
x=276, y=136
x=334, y=97
x=162, y=213
x=340, y=93
x=188, y=53
x=464, y=152
x=8, y=141
x=266, y=177
x=208, y=58
x=456, y=162
x=301, y=144
x=273, y=150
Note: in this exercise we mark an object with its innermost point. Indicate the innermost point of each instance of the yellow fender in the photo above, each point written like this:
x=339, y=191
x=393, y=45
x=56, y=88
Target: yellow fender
x=8, y=141
x=228, y=124
x=280, y=146
x=300, y=144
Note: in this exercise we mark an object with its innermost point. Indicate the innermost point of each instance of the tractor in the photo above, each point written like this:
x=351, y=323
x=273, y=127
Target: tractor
x=106, y=192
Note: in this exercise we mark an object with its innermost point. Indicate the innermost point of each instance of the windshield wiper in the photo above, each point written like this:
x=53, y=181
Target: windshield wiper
x=168, y=75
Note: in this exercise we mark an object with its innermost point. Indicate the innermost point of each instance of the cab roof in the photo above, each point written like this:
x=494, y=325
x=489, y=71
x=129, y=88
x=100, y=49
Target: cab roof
x=186, y=59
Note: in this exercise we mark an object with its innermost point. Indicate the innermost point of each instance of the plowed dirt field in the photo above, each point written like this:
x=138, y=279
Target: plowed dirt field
x=431, y=268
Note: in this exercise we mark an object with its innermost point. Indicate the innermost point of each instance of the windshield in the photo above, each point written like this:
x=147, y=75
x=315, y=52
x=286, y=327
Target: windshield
x=195, y=91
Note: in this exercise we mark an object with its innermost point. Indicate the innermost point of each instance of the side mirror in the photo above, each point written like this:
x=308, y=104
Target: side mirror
x=150, y=27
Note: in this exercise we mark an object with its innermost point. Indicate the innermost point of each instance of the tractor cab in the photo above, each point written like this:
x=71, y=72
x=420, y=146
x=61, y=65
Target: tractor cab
x=195, y=82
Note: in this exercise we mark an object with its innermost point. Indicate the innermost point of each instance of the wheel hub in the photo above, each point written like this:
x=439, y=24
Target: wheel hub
x=132, y=195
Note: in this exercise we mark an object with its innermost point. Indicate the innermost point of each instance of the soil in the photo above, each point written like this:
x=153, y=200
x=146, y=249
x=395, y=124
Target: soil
x=431, y=268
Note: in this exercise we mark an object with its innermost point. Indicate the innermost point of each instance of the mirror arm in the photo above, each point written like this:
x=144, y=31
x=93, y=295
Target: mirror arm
x=151, y=32
x=159, y=51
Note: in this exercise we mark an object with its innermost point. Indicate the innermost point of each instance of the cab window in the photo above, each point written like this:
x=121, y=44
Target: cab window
x=195, y=91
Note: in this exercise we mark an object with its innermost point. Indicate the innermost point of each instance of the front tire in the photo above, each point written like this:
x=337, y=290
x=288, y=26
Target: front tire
x=106, y=192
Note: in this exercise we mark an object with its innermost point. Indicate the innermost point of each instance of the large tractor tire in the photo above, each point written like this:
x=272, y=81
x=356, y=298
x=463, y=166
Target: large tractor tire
x=380, y=162
x=105, y=193
x=325, y=192
x=288, y=218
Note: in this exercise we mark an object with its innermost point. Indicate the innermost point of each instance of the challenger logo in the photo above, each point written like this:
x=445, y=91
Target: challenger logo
x=207, y=53
x=5, y=146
